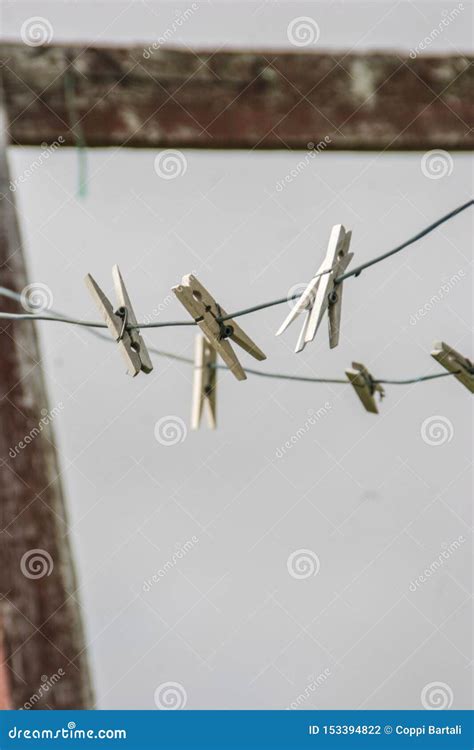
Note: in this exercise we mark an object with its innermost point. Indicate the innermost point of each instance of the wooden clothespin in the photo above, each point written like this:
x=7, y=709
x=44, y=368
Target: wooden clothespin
x=454, y=362
x=207, y=314
x=322, y=293
x=204, y=384
x=130, y=343
x=365, y=387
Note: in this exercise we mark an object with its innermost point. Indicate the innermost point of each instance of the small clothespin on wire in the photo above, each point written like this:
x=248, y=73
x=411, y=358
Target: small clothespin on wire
x=208, y=314
x=322, y=292
x=451, y=360
x=118, y=321
x=204, y=383
x=365, y=386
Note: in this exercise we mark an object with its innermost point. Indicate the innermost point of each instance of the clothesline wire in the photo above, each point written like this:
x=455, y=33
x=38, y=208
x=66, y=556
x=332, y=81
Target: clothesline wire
x=358, y=270
x=91, y=325
x=274, y=375
x=238, y=313
x=340, y=381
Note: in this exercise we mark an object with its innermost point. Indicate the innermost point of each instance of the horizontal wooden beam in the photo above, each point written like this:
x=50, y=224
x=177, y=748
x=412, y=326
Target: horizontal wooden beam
x=173, y=98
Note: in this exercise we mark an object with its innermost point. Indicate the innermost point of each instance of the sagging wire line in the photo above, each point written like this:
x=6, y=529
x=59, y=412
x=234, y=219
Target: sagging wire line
x=53, y=318
x=338, y=381
x=5, y=292
x=358, y=270
x=90, y=327
x=238, y=313
x=58, y=317
x=85, y=323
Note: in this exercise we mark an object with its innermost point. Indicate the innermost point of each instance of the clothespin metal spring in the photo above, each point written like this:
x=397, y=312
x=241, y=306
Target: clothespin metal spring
x=122, y=313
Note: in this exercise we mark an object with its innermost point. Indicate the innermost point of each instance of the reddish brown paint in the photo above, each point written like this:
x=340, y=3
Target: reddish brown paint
x=239, y=99
x=41, y=621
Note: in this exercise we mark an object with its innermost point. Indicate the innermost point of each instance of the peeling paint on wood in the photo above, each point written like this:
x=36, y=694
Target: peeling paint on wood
x=239, y=99
x=40, y=617
x=5, y=698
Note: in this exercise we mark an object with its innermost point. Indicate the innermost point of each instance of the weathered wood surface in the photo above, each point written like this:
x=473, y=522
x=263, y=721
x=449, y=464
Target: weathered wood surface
x=40, y=621
x=238, y=99
x=5, y=698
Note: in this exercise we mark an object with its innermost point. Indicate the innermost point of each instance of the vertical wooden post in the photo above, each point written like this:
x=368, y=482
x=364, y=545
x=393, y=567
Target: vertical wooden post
x=5, y=698
x=43, y=641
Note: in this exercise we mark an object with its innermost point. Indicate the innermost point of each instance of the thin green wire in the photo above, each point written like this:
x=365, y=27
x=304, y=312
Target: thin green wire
x=78, y=133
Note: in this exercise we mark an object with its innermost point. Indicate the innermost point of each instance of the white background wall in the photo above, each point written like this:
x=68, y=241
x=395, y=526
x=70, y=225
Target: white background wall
x=368, y=495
